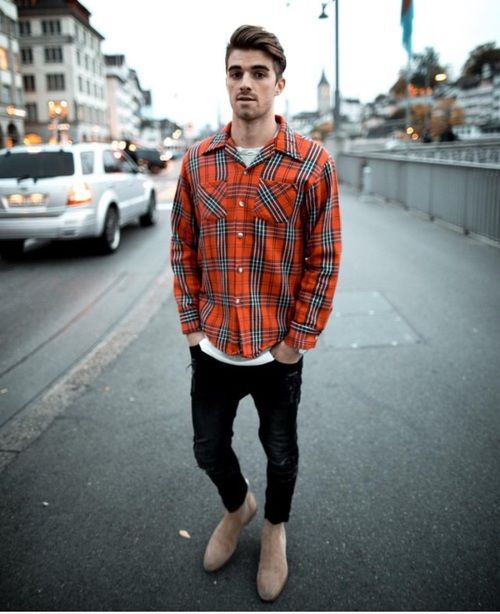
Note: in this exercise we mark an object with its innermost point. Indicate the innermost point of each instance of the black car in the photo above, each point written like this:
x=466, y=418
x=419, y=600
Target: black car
x=151, y=158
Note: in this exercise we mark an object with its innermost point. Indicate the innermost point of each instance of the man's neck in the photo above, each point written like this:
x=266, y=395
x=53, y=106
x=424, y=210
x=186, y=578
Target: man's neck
x=254, y=133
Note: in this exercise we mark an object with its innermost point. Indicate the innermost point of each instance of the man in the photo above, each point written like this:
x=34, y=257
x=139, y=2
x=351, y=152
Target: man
x=255, y=253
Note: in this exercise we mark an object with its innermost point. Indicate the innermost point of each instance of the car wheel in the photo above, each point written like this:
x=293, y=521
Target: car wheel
x=11, y=250
x=151, y=216
x=109, y=240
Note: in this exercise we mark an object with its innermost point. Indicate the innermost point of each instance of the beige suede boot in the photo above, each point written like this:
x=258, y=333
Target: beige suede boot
x=273, y=566
x=224, y=539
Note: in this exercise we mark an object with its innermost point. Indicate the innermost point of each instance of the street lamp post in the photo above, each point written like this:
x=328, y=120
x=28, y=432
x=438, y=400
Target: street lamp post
x=336, y=108
x=437, y=78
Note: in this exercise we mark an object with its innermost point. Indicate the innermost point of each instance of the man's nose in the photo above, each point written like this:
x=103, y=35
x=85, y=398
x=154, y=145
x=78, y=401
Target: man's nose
x=245, y=82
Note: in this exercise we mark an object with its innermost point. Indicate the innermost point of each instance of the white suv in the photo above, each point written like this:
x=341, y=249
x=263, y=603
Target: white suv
x=70, y=192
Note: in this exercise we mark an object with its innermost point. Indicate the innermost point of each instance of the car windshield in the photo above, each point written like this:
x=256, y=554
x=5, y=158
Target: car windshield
x=36, y=165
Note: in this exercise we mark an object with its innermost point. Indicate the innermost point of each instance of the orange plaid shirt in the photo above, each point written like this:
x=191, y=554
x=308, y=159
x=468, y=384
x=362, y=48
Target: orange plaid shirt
x=255, y=250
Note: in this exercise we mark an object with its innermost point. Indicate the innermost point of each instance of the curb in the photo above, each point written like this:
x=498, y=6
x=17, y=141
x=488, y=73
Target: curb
x=20, y=432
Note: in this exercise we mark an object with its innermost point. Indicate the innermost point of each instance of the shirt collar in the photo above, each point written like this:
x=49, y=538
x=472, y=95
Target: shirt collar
x=285, y=140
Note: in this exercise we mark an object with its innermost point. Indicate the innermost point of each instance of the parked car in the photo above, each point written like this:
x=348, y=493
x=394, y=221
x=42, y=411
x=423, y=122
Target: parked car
x=68, y=192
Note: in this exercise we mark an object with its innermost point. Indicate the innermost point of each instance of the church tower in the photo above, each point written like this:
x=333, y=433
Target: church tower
x=324, y=100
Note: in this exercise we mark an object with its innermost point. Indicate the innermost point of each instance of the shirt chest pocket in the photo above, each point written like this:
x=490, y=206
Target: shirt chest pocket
x=210, y=201
x=275, y=201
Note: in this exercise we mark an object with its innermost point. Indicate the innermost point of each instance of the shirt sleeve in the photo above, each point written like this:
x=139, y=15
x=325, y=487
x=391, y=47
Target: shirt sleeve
x=322, y=260
x=183, y=253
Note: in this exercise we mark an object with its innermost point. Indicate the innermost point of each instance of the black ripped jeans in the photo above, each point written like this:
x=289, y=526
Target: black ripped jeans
x=216, y=391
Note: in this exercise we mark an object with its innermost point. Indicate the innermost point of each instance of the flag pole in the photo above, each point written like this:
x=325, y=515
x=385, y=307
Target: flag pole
x=408, y=106
x=406, y=23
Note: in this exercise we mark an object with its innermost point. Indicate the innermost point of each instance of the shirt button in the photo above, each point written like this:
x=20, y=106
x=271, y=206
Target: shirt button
x=237, y=301
x=241, y=203
x=240, y=269
x=240, y=235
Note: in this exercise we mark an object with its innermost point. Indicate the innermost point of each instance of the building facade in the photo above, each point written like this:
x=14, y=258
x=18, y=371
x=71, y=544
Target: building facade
x=479, y=97
x=324, y=97
x=63, y=72
x=12, y=110
x=125, y=99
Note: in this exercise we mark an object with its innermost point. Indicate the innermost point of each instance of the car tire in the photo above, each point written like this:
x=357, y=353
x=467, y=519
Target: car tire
x=151, y=216
x=109, y=240
x=11, y=250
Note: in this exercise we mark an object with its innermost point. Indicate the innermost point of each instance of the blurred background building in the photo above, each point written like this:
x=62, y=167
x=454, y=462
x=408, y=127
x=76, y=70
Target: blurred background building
x=57, y=86
x=63, y=72
x=12, y=110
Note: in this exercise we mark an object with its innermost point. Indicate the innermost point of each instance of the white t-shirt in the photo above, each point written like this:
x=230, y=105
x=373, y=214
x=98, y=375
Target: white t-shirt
x=248, y=155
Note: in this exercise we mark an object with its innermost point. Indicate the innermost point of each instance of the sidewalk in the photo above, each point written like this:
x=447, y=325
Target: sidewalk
x=397, y=501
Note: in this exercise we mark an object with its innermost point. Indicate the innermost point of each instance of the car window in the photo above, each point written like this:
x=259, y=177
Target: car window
x=111, y=160
x=129, y=166
x=118, y=162
x=87, y=159
x=36, y=164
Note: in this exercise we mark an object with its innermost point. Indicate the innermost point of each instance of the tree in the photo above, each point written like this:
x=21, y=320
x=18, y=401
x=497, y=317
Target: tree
x=445, y=115
x=422, y=79
x=426, y=69
x=481, y=55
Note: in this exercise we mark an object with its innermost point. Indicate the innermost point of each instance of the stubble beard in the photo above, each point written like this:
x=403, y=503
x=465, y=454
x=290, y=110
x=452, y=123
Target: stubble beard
x=250, y=115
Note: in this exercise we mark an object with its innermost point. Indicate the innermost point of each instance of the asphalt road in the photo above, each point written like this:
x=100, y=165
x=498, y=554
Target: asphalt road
x=61, y=299
x=397, y=501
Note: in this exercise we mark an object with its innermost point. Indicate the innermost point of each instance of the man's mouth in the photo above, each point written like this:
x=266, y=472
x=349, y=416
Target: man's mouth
x=245, y=98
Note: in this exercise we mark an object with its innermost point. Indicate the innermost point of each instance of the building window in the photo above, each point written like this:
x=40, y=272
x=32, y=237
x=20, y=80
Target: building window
x=86, y=62
x=55, y=82
x=4, y=59
x=78, y=57
x=51, y=26
x=24, y=28
x=6, y=93
x=53, y=55
x=29, y=83
x=80, y=84
x=31, y=112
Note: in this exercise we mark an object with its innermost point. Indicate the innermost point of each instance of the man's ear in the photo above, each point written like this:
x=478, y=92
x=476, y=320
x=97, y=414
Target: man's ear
x=280, y=86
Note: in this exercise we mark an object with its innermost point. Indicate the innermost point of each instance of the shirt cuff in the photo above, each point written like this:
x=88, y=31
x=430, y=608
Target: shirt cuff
x=190, y=321
x=300, y=338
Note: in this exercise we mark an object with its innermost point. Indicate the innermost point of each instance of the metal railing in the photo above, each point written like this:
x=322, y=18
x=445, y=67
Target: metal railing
x=485, y=152
x=464, y=194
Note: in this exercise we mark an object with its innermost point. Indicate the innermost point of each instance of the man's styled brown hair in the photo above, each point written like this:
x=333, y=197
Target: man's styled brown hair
x=255, y=37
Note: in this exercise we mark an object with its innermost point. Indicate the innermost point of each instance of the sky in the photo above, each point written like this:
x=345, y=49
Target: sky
x=177, y=47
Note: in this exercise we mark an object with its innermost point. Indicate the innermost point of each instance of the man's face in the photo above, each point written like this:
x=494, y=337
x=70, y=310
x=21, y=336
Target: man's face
x=251, y=84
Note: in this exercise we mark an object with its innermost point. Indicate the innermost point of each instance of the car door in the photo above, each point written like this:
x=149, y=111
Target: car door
x=117, y=179
x=135, y=185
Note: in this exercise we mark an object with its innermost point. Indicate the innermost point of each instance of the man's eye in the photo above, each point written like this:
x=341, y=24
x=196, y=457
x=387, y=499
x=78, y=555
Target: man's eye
x=235, y=75
x=259, y=75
